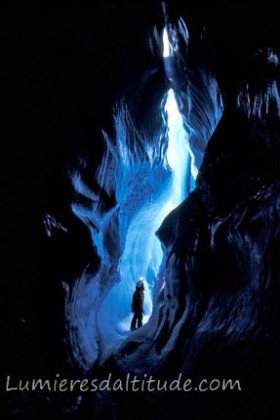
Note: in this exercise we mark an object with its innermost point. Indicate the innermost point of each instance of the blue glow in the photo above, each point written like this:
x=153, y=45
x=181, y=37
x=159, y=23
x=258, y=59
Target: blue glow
x=167, y=49
x=147, y=190
x=149, y=177
x=146, y=195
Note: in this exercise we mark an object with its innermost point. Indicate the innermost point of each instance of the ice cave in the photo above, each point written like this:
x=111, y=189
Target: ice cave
x=142, y=141
x=150, y=177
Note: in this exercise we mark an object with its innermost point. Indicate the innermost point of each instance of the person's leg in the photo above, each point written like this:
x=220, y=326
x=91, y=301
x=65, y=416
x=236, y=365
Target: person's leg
x=133, y=322
x=140, y=319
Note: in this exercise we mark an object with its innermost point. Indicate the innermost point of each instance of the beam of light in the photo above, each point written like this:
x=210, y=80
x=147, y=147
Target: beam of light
x=167, y=50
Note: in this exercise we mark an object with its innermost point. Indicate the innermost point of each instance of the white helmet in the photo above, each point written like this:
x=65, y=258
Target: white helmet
x=140, y=282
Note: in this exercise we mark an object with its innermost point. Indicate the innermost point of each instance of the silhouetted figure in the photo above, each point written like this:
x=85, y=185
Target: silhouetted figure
x=138, y=305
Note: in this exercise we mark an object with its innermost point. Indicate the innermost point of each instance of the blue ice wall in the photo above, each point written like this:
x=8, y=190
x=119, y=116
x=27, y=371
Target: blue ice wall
x=146, y=192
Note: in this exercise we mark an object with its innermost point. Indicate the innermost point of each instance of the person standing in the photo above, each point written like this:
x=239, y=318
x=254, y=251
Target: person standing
x=138, y=304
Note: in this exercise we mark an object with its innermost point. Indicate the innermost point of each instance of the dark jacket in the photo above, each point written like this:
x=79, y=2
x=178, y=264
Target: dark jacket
x=138, y=300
